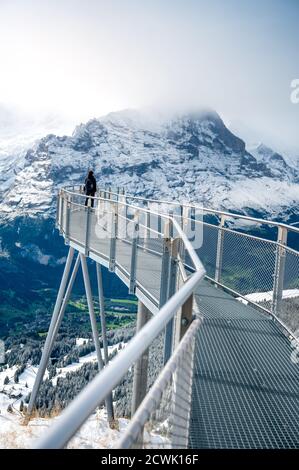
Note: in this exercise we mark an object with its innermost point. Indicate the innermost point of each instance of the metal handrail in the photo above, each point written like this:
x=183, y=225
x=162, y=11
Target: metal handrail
x=96, y=391
x=192, y=253
x=149, y=403
x=203, y=209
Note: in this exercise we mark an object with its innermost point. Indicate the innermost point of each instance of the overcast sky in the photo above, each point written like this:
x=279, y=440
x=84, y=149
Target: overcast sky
x=84, y=58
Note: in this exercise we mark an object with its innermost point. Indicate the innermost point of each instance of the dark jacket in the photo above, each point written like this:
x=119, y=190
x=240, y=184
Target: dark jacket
x=90, y=185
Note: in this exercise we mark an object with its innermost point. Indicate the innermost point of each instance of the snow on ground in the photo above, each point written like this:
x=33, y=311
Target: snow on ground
x=95, y=433
x=81, y=341
x=267, y=296
x=13, y=434
x=91, y=357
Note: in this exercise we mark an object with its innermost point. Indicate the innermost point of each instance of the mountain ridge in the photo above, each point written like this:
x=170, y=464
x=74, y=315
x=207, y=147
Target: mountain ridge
x=193, y=157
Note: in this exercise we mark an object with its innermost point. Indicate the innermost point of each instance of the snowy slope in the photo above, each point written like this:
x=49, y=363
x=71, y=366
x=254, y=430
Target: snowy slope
x=193, y=157
x=95, y=433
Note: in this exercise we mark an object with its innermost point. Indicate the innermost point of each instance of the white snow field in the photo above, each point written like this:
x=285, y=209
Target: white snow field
x=13, y=434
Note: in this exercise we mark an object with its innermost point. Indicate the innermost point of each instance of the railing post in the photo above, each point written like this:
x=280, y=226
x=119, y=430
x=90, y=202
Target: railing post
x=185, y=216
x=165, y=266
x=219, y=252
x=87, y=229
x=68, y=216
x=61, y=212
x=182, y=217
x=193, y=219
x=279, y=270
x=183, y=320
x=133, y=267
x=182, y=384
x=147, y=231
x=171, y=289
x=113, y=237
x=141, y=365
x=57, y=223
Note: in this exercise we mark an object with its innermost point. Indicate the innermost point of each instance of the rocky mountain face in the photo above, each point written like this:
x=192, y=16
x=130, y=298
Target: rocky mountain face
x=192, y=157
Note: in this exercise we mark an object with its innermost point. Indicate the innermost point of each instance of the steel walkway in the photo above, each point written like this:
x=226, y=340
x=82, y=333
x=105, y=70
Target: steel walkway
x=245, y=388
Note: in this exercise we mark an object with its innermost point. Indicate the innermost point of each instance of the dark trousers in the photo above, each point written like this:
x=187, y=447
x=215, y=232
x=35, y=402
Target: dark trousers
x=87, y=198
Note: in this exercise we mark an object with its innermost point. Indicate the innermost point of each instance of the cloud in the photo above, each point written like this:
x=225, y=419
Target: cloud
x=84, y=59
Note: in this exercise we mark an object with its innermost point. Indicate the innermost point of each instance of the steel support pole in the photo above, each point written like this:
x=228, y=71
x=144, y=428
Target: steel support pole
x=95, y=333
x=279, y=270
x=141, y=365
x=140, y=370
x=65, y=300
x=46, y=350
x=102, y=311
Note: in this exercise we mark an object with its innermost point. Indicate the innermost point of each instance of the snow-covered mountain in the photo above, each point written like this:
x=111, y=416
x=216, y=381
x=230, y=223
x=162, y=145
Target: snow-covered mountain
x=190, y=157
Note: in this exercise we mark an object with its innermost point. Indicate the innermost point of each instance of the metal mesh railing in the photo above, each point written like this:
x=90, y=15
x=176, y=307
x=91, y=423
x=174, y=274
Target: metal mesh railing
x=249, y=265
x=289, y=305
x=162, y=420
x=248, y=262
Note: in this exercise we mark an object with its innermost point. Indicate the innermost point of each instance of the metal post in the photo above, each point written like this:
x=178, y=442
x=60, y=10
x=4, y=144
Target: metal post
x=141, y=365
x=140, y=370
x=193, y=218
x=57, y=224
x=95, y=332
x=279, y=270
x=182, y=217
x=219, y=253
x=68, y=216
x=172, y=283
x=87, y=229
x=165, y=266
x=46, y=350
x=65, y=302
x=183, y=379
x=113, y=238
x=184, y=319
x=61, y=213
x=147, y=233
x=102, y=311
x=125, y=206
x=134, y=256
x=185, y=216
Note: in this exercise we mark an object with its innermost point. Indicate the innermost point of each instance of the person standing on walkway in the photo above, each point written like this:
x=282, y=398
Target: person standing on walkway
x=90, y=187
